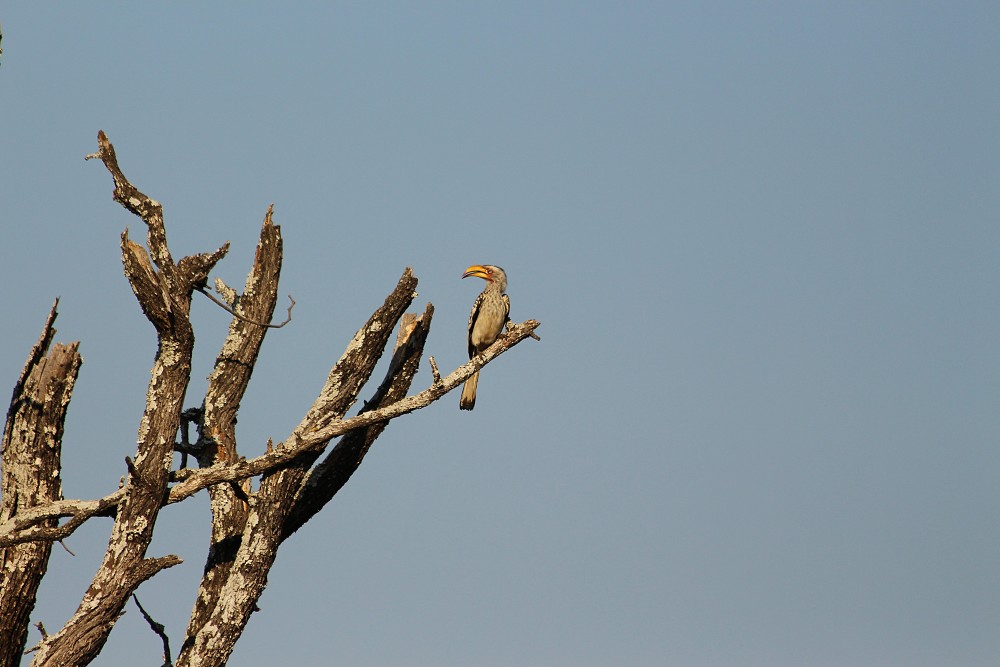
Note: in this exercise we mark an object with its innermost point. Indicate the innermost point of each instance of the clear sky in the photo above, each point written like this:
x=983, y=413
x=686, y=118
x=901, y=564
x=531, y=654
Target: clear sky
x=761, y=427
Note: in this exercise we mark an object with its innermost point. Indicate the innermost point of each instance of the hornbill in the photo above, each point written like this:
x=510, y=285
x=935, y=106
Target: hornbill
x=486, y=323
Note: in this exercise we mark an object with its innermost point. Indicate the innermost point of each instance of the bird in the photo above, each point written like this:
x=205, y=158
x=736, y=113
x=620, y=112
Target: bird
x=490, y=314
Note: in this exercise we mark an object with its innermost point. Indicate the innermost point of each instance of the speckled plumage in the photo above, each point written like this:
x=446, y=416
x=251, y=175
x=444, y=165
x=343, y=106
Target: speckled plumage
x=487, y=320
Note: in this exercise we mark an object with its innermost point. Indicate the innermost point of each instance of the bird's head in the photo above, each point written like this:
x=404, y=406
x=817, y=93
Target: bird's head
x=489, y=273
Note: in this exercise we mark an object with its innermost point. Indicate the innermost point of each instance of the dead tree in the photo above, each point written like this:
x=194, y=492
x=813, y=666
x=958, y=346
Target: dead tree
x=297, y=477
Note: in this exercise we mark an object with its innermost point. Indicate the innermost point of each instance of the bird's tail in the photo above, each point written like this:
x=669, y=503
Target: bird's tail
x=469, y=392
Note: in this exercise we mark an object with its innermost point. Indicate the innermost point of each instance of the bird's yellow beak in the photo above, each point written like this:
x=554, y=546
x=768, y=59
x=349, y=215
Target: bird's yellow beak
x=478, y=271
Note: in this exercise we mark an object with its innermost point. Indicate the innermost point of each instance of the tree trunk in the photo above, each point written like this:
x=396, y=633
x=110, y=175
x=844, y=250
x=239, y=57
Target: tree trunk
x=32, y=447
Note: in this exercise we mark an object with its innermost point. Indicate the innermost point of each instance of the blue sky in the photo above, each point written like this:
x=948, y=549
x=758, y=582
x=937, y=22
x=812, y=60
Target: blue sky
x=761, y=426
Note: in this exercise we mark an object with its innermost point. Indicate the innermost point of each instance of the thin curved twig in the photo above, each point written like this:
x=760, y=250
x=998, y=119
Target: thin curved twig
x=247, y=319
x=159, y=630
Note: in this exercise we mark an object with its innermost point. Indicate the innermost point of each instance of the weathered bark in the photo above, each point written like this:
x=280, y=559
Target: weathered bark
x=247, y=527
x=217, y=431
x=32, y=447
x=165, y=298
x=329, y=476
x=213, y=643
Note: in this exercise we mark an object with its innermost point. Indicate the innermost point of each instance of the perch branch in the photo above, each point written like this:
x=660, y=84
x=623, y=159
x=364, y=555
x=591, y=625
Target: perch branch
x=329, y=476
x=190, y=481
x=216, y=623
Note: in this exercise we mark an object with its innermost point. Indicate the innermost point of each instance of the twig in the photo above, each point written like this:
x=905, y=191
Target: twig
x=159, y=630
x=133, y=472
x=434, y=370
x=247, y=319
x=68, y=550
x=45, y=635
x=511, y=325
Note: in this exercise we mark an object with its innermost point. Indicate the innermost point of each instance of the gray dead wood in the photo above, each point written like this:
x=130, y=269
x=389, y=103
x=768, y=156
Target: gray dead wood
x=32, y=448
x=247, y=526
x=164, y=294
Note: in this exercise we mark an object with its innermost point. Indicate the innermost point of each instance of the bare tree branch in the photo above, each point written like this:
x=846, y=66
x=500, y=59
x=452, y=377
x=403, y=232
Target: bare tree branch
x=248, y=526
x=24, y=527
x=213, y=642
x=157, y=628
x=43, y=633
x=165, y=298
x=191, y=481
x=32, y=446
x=232, y=312
x=227, y=386
x=329, y=476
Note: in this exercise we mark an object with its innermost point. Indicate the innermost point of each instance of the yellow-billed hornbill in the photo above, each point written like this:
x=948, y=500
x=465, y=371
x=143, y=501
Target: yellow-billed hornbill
x=489, y=315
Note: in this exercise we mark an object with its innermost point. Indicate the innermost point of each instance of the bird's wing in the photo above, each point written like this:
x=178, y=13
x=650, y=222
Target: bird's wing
x=472, y=320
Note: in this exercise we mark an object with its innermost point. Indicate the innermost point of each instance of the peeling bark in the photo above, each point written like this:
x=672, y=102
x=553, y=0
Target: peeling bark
x=329, y=476
x=165, y=298
x=269, y=507
x=32, y=448
x=248, y=527
x=217, y=442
